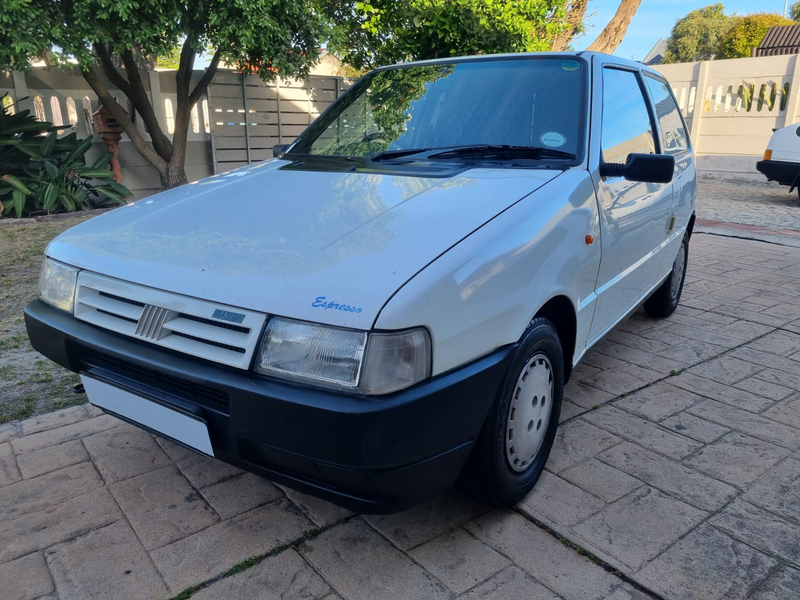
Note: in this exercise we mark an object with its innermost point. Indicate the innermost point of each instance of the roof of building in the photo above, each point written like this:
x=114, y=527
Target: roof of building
x=656, y=54
x=781, y=39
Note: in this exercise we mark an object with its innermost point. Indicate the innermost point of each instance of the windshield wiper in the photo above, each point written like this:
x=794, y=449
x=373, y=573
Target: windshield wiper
x=390, y=154
x=503, y=152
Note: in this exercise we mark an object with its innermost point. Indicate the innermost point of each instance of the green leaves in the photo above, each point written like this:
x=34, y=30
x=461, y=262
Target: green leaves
x=380, y=32
x=43, y=174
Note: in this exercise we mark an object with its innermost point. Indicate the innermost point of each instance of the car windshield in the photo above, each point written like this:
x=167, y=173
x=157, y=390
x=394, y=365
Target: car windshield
x=532, y=102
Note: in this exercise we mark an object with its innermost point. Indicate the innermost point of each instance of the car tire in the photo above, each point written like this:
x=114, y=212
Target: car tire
x=513, y=446
x=666, y=298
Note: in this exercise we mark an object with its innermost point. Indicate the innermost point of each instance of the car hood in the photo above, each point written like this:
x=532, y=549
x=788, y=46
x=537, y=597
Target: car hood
x=329, y=247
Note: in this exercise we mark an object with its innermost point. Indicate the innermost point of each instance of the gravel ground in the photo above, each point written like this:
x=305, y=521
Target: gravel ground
x=29, y=384
x=772, y=207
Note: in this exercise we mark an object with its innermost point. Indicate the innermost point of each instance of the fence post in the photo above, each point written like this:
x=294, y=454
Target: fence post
x=278, y=98
x=21, y=91
x=793, y=102
x=699, y=102
x=246, y=121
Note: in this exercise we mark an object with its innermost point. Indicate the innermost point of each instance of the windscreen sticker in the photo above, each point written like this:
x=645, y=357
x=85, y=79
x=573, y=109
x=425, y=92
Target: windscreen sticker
x=323, y=302
x=553, y=139
x=570, y=65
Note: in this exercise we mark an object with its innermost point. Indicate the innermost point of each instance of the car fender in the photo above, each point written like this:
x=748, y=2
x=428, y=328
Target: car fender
x=483, y=292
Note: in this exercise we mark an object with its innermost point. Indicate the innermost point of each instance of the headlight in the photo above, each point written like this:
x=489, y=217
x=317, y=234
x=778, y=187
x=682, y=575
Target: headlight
x=377, y=363
x=57, y=284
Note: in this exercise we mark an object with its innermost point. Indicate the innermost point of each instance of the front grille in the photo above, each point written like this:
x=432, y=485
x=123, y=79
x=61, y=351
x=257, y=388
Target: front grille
x=177, y=322
x=181, y=388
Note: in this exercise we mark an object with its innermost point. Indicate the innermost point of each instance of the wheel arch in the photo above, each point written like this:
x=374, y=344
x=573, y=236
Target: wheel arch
x=561, y=312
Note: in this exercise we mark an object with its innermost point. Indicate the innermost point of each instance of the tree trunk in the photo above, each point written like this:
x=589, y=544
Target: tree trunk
x=575, y=14
x=611, y=37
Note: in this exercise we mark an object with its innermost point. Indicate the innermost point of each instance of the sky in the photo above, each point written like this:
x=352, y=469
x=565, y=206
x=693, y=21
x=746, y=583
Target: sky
x=655, y=19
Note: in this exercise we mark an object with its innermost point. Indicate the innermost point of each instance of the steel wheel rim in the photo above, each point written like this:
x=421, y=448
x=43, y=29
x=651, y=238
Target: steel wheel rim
x=677, y=273
x=529, y=413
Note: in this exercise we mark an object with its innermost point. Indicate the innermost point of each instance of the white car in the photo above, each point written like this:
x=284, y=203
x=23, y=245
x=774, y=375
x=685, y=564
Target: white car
x=782, y=157
x=397, y=300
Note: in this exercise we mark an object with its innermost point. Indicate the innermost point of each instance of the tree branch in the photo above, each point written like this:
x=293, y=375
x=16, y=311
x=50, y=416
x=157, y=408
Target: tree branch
x=610, y=38
x=143, y=106
x=574, y=19
x=121, y=115
x=205, y=80
x=110, y=70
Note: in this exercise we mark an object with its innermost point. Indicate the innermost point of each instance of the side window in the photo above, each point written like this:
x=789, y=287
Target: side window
x=668, y=116
x=626, y=120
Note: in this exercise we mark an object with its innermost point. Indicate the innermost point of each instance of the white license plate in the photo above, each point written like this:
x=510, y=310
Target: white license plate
x=184, y=428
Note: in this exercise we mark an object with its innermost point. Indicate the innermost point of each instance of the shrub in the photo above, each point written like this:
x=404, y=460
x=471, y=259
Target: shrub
x=42, y=173
x=746, y=33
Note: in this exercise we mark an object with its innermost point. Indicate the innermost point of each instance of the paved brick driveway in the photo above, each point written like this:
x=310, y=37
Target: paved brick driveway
x=677, y=464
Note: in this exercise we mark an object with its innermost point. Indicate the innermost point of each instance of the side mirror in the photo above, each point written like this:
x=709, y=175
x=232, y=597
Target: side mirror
x=279, y=149
x=650, y=168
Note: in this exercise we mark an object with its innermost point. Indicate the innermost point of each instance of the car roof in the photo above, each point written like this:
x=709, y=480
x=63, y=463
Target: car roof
x=523, y=55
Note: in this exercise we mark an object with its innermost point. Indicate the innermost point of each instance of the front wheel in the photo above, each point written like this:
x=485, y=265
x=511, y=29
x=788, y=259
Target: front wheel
x=518, y=434
x=665, y=299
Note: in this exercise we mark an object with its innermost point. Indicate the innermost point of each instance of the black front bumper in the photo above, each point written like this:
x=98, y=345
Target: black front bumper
x=365, y=453
x=785, y=173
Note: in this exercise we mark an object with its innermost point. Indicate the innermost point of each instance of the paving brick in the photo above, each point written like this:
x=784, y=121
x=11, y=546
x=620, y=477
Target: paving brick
x=790, y=380
x=321, y=512
x=601, y=361
x=239, y=494
x=25, y=578
x=783, y=343
x=765, y=359
x=105, y=563
x=38, y=530
x=706, y=565
x=124, y=452
x=637, y=342
x=670, y=477
x=628, y=592
x=569, y=411
x=427, y=520
x=31, y=495
x=459, y=560
x=584, y=395
x=737, y=459
x=10, y=431
x=577, y=441
x=695, y=427
x=642, y=432
x=362, y=565
x=778, y=491
x=754, y=425
x=600, y=479
x=544, y=557
x=722, y=393
x=744, y=330
x=175, y=452
x=786, y=412
x=555, y=500
x=783, y=584
x=59, y=418
x=282, y=577
x=624, y=379
x=710, y=337
x=643, y=359
x=9, y=473
x=162, y=507
x=760, y=529
x=689, y=351
x=216, y=549
x=52, y=458
x=725, y=369
x=639, y=526
x=203, y=471
x=764, y=388
x=658, y=401
x=510, y=584
x=52, y=437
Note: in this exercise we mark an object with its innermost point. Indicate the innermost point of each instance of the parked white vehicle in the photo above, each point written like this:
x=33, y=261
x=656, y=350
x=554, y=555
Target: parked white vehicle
x=395, y=302
x=782, y=157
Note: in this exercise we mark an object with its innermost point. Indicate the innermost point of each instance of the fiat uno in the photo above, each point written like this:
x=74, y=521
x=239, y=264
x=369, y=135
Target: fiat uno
x=395, y=302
